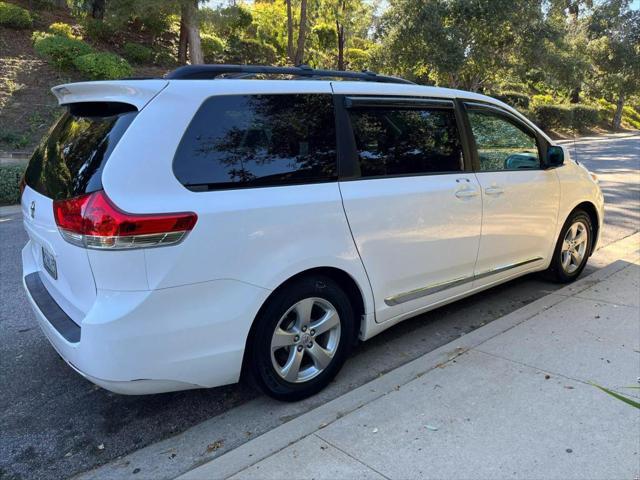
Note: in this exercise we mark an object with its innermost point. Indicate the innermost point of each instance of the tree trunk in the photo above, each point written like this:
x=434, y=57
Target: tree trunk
x=60, y=3
x=190, y=20
x=97, y=9
x=340, y=30
x=183, y=44
x=302, y=33
x=617, y=118
x=290, y=52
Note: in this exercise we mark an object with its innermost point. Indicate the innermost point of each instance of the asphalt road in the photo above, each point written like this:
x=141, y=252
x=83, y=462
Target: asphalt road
x=54, y=424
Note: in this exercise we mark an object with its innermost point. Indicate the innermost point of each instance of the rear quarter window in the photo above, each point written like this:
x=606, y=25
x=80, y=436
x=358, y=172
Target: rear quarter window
x=239, y=141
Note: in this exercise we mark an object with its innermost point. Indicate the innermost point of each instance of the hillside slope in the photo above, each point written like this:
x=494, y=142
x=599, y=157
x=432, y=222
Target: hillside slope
x=27, y=106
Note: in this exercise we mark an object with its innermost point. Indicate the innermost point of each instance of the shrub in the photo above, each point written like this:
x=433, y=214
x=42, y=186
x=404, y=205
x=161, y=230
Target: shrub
x=165, y=58
x=250, y=51
x=137, y=53
x=584, y=116
x=13, y=16
x=103, y=66
x=98, y=29
x=357, y=59
x=10, y=176
x=514, y=99
x=62, y=30
x=542, y=100
x=212, y=48
x=61, y=51
x=552, y=116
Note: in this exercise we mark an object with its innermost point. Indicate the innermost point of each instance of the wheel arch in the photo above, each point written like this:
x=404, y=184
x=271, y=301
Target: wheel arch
x=344, y=279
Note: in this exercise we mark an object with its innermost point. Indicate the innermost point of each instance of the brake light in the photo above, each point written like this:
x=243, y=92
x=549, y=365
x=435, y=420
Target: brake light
x=93, y=221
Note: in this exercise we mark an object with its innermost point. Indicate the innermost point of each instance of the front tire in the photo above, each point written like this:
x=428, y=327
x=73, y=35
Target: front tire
x=302, y=338
x=573, y=248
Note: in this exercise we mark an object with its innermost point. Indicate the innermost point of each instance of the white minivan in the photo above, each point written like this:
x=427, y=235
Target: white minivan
x=234, y=219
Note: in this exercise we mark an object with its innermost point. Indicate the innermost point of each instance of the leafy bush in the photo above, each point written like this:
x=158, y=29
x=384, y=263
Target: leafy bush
x=584, y=116
x=10, y=176
x=357, y=59
x=14, y=140
x=137, y=53
x=98, y=29
x=13, y=16
x=327, y=36
x=212, y=48
x=61, y=29
x=514, y=99
x=165, y=58
x=103, y=66
x=249, y=50
x=542, y=100
x=552, y=116
x=61, y=51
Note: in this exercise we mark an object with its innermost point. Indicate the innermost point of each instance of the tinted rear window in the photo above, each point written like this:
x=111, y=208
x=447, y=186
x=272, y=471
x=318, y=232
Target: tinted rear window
x=392, y=141
x=237, y=141
x=70, y=160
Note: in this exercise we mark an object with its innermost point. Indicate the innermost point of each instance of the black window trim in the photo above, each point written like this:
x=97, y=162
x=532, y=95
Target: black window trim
x=464, y=105
x=347, y=151
x=209, y=187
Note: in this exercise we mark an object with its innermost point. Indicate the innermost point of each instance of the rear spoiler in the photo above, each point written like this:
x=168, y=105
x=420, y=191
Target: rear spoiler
x=134, y=92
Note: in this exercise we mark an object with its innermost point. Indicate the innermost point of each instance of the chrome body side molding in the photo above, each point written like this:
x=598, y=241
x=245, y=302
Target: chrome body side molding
x=439, y=287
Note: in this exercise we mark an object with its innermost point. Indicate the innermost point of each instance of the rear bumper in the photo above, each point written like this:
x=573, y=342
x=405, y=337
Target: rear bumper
x=141, y=342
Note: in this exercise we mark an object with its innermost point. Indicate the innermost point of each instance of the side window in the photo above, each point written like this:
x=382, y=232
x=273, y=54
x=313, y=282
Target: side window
x=396, y=141
x=501, y=144
x=237, y=141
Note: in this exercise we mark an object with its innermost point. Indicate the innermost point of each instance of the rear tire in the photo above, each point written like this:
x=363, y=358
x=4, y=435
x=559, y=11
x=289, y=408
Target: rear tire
x=572, y=249
x=302, y=337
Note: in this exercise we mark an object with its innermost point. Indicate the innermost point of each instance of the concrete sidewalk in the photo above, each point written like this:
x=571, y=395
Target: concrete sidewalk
x=509, y=400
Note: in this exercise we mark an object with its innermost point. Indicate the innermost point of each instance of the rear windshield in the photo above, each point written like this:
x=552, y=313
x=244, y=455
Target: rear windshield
x=70, y=160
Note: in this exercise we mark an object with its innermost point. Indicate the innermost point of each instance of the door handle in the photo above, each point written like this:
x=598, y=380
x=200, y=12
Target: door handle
x=494, y=191
x=467, y=193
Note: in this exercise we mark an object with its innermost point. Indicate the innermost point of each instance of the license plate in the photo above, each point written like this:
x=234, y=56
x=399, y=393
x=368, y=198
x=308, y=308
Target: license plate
x=49, y=262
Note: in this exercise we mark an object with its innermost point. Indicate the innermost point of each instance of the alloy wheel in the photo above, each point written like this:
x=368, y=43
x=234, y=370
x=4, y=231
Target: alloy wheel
x=574, y=247
x=305, y=340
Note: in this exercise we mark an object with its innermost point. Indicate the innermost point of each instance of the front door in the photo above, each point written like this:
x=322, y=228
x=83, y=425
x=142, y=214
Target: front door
x=520, y=198
x=413, y=209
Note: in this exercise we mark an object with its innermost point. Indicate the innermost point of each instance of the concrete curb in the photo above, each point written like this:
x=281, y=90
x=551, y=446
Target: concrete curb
x=9, y=210
x=279, y=438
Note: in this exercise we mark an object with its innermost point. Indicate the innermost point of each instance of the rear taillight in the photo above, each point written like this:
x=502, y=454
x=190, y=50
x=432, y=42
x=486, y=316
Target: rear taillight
x=93, y=221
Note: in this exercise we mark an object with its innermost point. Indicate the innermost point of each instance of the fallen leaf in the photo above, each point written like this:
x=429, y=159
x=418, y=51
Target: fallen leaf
x=375, y=430
x=431, y=427
x=212, y=447
x=101, y=446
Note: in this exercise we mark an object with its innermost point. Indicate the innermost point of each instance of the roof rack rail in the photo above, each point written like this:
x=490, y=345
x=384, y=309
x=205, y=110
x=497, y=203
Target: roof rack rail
x=207, y=72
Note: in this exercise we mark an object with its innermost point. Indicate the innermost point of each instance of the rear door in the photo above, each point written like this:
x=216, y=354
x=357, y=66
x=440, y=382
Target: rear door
x=520, y=197
x=69, y=163
x=413, y=207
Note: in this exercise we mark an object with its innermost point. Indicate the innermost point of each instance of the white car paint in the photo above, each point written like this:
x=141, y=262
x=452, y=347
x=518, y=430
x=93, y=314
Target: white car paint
x=170, y=318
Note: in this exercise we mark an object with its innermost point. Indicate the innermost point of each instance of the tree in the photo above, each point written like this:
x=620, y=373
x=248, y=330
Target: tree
x=296, y=56
x=189, y=24
x=458, y=43
x=302, y=33
x=614, y=49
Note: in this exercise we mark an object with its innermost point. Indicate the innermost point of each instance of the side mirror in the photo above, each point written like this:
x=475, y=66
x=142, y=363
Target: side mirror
x=555, y=156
